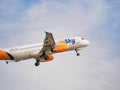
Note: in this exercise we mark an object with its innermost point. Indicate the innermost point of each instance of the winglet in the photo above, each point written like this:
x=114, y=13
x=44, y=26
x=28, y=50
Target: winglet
x=46, y=32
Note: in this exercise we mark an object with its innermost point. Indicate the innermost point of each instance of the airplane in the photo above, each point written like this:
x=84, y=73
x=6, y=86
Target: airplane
x=43, y=52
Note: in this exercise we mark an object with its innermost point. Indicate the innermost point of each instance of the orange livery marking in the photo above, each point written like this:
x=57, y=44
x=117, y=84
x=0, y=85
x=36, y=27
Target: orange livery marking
x=4, y=55
x=61, y=48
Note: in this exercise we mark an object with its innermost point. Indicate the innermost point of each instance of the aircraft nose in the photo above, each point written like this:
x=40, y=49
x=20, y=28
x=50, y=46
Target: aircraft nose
x=86, y=42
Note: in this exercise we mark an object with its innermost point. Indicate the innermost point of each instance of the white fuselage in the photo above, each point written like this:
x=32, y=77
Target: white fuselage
x=32, y=51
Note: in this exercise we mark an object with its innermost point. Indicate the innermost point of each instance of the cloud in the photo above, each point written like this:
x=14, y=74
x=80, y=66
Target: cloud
x=95, y=69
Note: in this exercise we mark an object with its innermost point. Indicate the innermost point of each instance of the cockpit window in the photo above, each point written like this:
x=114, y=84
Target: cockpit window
x=82, y=38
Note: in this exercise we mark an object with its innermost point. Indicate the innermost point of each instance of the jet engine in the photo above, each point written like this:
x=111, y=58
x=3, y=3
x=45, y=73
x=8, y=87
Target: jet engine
x=48, y=57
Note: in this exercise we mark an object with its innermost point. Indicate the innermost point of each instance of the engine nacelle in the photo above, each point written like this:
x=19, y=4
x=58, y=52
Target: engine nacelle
x=50, y=57
x=47, y=58
x=60, y=48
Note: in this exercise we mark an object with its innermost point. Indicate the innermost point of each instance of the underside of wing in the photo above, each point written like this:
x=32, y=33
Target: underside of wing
x=46, y=54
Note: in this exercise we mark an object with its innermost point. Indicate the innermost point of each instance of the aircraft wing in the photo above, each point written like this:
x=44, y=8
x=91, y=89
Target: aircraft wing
x=48, y=44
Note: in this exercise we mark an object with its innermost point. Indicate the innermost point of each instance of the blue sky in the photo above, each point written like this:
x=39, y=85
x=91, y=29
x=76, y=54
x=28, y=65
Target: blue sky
x=24, y=22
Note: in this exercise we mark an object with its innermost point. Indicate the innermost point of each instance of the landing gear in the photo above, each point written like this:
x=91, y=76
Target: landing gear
x=7, y=62
x=78, y=54
x=37, y=63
